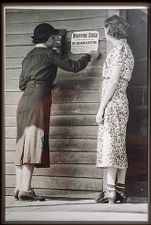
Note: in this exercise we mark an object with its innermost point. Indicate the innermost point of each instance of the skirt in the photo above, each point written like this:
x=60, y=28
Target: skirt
x=111, y=143
x=33, y=119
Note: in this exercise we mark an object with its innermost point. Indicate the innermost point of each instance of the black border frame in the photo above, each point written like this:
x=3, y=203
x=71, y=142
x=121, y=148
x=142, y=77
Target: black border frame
x=38, y=3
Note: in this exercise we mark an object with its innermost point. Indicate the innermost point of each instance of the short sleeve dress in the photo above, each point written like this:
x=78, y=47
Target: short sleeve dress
x=111, y=147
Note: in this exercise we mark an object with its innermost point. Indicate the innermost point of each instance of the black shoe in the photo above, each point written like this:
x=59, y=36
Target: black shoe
x=105, y=197
x=101, y=198
x=121, y=197
x=29, y=196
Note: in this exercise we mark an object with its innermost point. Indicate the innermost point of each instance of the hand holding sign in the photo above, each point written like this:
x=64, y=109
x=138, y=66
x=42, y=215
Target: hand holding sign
x=95, y=54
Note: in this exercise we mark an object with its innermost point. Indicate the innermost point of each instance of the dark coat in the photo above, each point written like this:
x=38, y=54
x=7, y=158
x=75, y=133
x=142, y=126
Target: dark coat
x=39, y=69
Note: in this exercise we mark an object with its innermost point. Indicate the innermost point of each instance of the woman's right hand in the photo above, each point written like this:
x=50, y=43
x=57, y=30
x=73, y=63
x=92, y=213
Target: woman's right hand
x=94, y=54
x=100, y=116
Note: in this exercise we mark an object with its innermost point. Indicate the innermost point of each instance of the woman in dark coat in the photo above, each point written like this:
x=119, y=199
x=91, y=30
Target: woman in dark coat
x=39, y=69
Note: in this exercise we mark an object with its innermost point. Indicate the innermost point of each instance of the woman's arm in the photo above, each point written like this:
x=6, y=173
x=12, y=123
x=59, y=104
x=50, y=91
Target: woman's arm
x=71, y=65
x=22, y=83
x=68, y=64
x=112, y=84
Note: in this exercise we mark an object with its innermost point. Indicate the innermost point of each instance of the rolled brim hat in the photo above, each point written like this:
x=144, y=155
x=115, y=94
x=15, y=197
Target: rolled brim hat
x=44, y=30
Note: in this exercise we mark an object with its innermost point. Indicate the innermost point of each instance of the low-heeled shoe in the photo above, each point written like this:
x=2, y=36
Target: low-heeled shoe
x=29, y=196
x=105, y=197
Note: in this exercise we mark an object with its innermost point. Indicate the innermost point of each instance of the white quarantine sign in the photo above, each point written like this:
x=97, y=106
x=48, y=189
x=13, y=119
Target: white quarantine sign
x=84, y=41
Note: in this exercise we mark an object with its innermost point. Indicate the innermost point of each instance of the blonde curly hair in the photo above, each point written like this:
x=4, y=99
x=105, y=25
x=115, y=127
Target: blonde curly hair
x=117, y=27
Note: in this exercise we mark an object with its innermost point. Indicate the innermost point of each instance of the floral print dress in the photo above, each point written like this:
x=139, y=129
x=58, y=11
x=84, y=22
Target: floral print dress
x=111, y=148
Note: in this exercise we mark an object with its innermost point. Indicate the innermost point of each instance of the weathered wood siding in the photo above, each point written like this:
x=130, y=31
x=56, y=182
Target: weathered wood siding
x=73, y=131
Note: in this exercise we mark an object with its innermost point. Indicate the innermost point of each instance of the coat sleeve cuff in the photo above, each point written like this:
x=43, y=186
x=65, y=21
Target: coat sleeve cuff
x=88, y=56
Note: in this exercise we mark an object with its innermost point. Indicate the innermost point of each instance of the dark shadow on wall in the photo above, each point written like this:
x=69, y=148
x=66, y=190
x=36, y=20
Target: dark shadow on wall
x=137, y=136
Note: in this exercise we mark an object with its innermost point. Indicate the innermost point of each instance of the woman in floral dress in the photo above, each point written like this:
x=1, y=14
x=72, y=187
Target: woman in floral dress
x=113, y=113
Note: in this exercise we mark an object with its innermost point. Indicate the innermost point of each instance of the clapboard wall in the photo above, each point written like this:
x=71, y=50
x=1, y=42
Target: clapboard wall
x=73, y=130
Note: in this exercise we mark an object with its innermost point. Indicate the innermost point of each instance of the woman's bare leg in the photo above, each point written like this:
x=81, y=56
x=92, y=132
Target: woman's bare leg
x=27, y=172
x=109, y=195
x=120, y=185
x=121, y=175
x=110, y=187
x=111, y=175
x=18, y=177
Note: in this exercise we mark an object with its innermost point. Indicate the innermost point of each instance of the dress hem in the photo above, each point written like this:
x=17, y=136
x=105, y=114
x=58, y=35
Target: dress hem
x=118, y=167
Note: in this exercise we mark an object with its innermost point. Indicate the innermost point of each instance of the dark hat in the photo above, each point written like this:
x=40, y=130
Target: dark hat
x=44, y=30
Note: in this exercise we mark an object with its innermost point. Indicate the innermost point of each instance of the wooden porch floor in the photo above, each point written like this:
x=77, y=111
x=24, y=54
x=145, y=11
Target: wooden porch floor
x=72, y=210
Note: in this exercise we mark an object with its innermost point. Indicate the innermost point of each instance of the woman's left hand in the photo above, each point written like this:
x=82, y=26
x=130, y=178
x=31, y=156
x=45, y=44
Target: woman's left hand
x=100, y=117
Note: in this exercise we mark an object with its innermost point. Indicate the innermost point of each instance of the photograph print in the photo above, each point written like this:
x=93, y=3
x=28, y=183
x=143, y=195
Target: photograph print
x=76, y=113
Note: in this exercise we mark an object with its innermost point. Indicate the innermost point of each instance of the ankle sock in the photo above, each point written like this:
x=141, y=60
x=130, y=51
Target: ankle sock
x=120, y=188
